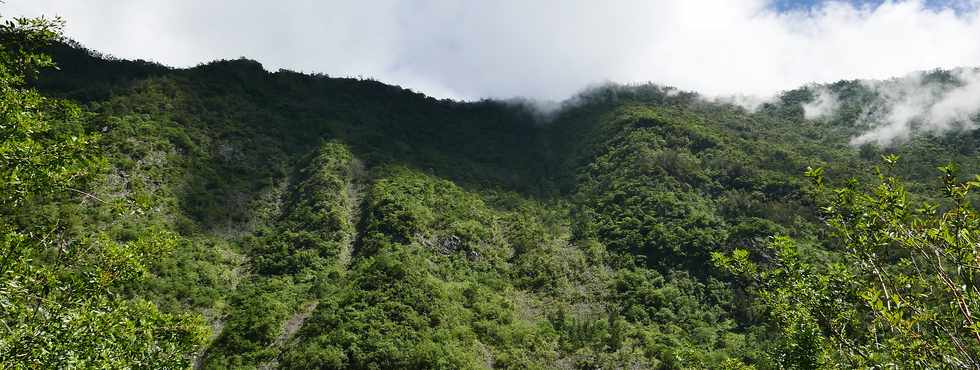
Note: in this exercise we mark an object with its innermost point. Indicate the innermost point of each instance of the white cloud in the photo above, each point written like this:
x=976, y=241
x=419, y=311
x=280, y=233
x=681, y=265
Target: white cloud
x=750, y=103
x=539, y=49
x=916, y=103
x=824, y=103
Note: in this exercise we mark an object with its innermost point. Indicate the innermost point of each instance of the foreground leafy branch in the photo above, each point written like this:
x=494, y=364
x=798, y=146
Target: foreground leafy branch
x=903, y=291
x=60, y=300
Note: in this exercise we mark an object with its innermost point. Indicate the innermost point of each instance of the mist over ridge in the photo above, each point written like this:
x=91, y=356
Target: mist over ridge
x=547, y=50
x=227, y=214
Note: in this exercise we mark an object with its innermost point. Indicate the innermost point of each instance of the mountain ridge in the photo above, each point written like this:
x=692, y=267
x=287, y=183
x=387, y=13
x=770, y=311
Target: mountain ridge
x=422, y=233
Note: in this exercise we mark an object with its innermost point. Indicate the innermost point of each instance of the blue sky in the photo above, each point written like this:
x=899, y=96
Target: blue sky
x=547, y=49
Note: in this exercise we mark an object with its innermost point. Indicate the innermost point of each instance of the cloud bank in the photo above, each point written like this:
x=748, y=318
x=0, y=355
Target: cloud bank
x=921, y=103
x=538, y=49
x=824, y=104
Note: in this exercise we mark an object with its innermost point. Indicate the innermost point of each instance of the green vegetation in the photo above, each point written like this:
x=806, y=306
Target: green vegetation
x=317, y=222
x=903, y=292
x=62, y=306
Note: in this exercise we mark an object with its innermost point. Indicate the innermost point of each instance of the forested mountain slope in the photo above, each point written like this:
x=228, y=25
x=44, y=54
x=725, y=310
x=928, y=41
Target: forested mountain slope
x=324, y=222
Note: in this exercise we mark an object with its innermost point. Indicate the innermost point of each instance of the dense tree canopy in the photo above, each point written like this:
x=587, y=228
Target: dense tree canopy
x=59, y=282
x=223, y=216
x=903, y=291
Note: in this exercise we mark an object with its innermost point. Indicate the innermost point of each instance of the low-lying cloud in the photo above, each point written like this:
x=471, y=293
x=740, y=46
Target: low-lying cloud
x=824, y=104
x=544, y=50
x=921, y=103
